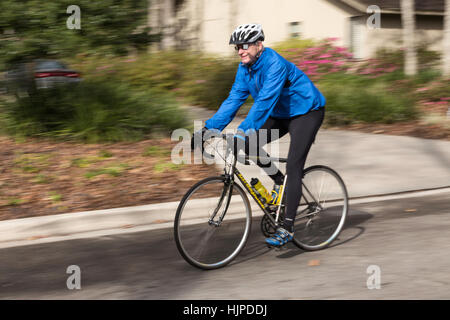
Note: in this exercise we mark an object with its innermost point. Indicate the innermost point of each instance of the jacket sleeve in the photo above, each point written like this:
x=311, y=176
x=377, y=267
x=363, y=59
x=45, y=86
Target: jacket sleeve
x=267, y=99
x=238, y=94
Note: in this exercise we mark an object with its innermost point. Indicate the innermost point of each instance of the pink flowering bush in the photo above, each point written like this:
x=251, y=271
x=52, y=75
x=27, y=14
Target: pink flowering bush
x=320, y=58
x=436, y=92
x=375, y=68
x=387, y=61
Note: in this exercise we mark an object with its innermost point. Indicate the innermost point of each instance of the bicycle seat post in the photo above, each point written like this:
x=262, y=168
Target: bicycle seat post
x=282, y=194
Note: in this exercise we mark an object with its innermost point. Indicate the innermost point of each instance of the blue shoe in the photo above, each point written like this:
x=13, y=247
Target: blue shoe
x=280, y=238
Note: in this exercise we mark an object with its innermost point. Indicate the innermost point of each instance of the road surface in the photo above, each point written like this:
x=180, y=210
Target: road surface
x=407, y=241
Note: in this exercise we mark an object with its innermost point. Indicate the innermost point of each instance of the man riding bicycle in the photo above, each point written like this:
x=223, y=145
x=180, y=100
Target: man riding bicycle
x=284, y=99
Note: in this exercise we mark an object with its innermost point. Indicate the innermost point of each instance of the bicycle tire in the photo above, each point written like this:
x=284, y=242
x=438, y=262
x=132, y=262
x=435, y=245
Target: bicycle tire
x=205, y=245
x=321, y=215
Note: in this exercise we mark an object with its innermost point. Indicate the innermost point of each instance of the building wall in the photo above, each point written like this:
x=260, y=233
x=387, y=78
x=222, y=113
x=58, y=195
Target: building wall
x=319, y=19
x=216, y=33
x=428, y=31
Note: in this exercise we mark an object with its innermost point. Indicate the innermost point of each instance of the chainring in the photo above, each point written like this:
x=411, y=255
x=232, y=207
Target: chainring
x=266, y=227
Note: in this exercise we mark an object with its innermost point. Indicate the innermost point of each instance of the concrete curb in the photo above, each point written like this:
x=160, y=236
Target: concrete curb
x=158, y=215
x=69, y=223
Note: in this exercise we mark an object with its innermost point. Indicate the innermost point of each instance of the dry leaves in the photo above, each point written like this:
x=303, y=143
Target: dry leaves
x=314, y=263
x=44, y=178
x=37, y=237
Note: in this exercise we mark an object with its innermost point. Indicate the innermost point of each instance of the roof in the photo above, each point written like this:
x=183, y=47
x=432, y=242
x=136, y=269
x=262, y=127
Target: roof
x=427, y=7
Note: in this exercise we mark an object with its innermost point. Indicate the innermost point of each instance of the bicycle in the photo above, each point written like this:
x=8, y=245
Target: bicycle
x=213, y=220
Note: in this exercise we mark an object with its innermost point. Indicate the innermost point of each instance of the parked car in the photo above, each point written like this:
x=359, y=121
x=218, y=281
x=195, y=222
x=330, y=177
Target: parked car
x=39, y=74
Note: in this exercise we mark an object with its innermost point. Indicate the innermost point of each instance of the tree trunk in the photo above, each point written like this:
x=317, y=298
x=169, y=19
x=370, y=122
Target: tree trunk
x=408, y=21
x=446, y=46
x=199, y=25
x=168, y=21
x=153, y=22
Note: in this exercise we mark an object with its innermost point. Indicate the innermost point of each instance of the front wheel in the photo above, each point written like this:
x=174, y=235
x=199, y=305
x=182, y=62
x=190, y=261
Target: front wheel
x=212, y=223
x=322, y=210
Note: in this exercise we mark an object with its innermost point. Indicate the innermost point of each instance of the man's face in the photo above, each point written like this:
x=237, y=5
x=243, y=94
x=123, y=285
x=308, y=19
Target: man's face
x=249, y=56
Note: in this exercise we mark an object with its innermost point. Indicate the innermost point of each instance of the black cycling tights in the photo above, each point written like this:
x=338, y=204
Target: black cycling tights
x=303, y=130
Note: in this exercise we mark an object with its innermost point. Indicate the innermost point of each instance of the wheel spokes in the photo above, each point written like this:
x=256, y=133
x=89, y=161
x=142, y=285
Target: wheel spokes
x=322, y=208
x=210, y=231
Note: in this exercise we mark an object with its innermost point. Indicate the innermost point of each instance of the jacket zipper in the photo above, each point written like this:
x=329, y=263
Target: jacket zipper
x=256, y=82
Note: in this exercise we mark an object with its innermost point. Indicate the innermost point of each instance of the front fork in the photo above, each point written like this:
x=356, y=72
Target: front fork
x=226, y=193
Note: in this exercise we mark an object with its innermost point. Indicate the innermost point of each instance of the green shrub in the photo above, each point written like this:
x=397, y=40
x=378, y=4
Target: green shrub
x=292, y=47
x=199, y=79
x=209, y=82
x=93, y=111
x=159, y=71
x=426, y=76
x=352, y=98
x=97, y=65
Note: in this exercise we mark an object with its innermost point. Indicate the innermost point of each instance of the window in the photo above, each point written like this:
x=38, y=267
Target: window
x=356, y=37
x=295, y=29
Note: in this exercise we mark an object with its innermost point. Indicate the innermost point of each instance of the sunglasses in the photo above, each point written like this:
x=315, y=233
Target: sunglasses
x=244, y=46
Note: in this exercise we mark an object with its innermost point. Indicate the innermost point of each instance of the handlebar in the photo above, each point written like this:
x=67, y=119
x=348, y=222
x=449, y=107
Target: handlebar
x=229, y=138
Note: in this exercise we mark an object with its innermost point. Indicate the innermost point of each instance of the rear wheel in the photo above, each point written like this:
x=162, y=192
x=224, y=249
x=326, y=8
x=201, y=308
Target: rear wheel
x=323, y=208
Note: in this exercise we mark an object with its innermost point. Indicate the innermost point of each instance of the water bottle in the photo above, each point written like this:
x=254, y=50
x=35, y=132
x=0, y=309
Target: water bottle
x=261, y=191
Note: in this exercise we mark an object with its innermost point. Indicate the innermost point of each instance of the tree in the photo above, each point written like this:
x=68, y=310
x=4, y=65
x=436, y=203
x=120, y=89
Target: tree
x=168, y=40
x=33, y=28
x=446, y=40
x=408, y=21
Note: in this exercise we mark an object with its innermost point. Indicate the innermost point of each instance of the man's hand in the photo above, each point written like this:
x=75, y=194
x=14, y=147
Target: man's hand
x=240, y=142
x=197, y=139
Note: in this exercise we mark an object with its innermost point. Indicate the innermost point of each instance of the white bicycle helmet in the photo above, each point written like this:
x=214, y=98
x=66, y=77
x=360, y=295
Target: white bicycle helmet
x=247, y=33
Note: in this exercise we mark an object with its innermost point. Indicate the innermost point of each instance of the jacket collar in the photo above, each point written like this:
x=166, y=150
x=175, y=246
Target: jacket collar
x=258, y=62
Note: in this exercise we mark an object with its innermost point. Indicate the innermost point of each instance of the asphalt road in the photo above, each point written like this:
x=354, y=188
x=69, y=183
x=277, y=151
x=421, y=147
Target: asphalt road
x=407, y=240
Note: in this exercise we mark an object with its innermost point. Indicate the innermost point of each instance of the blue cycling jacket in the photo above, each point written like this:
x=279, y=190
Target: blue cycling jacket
x=280, y=90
